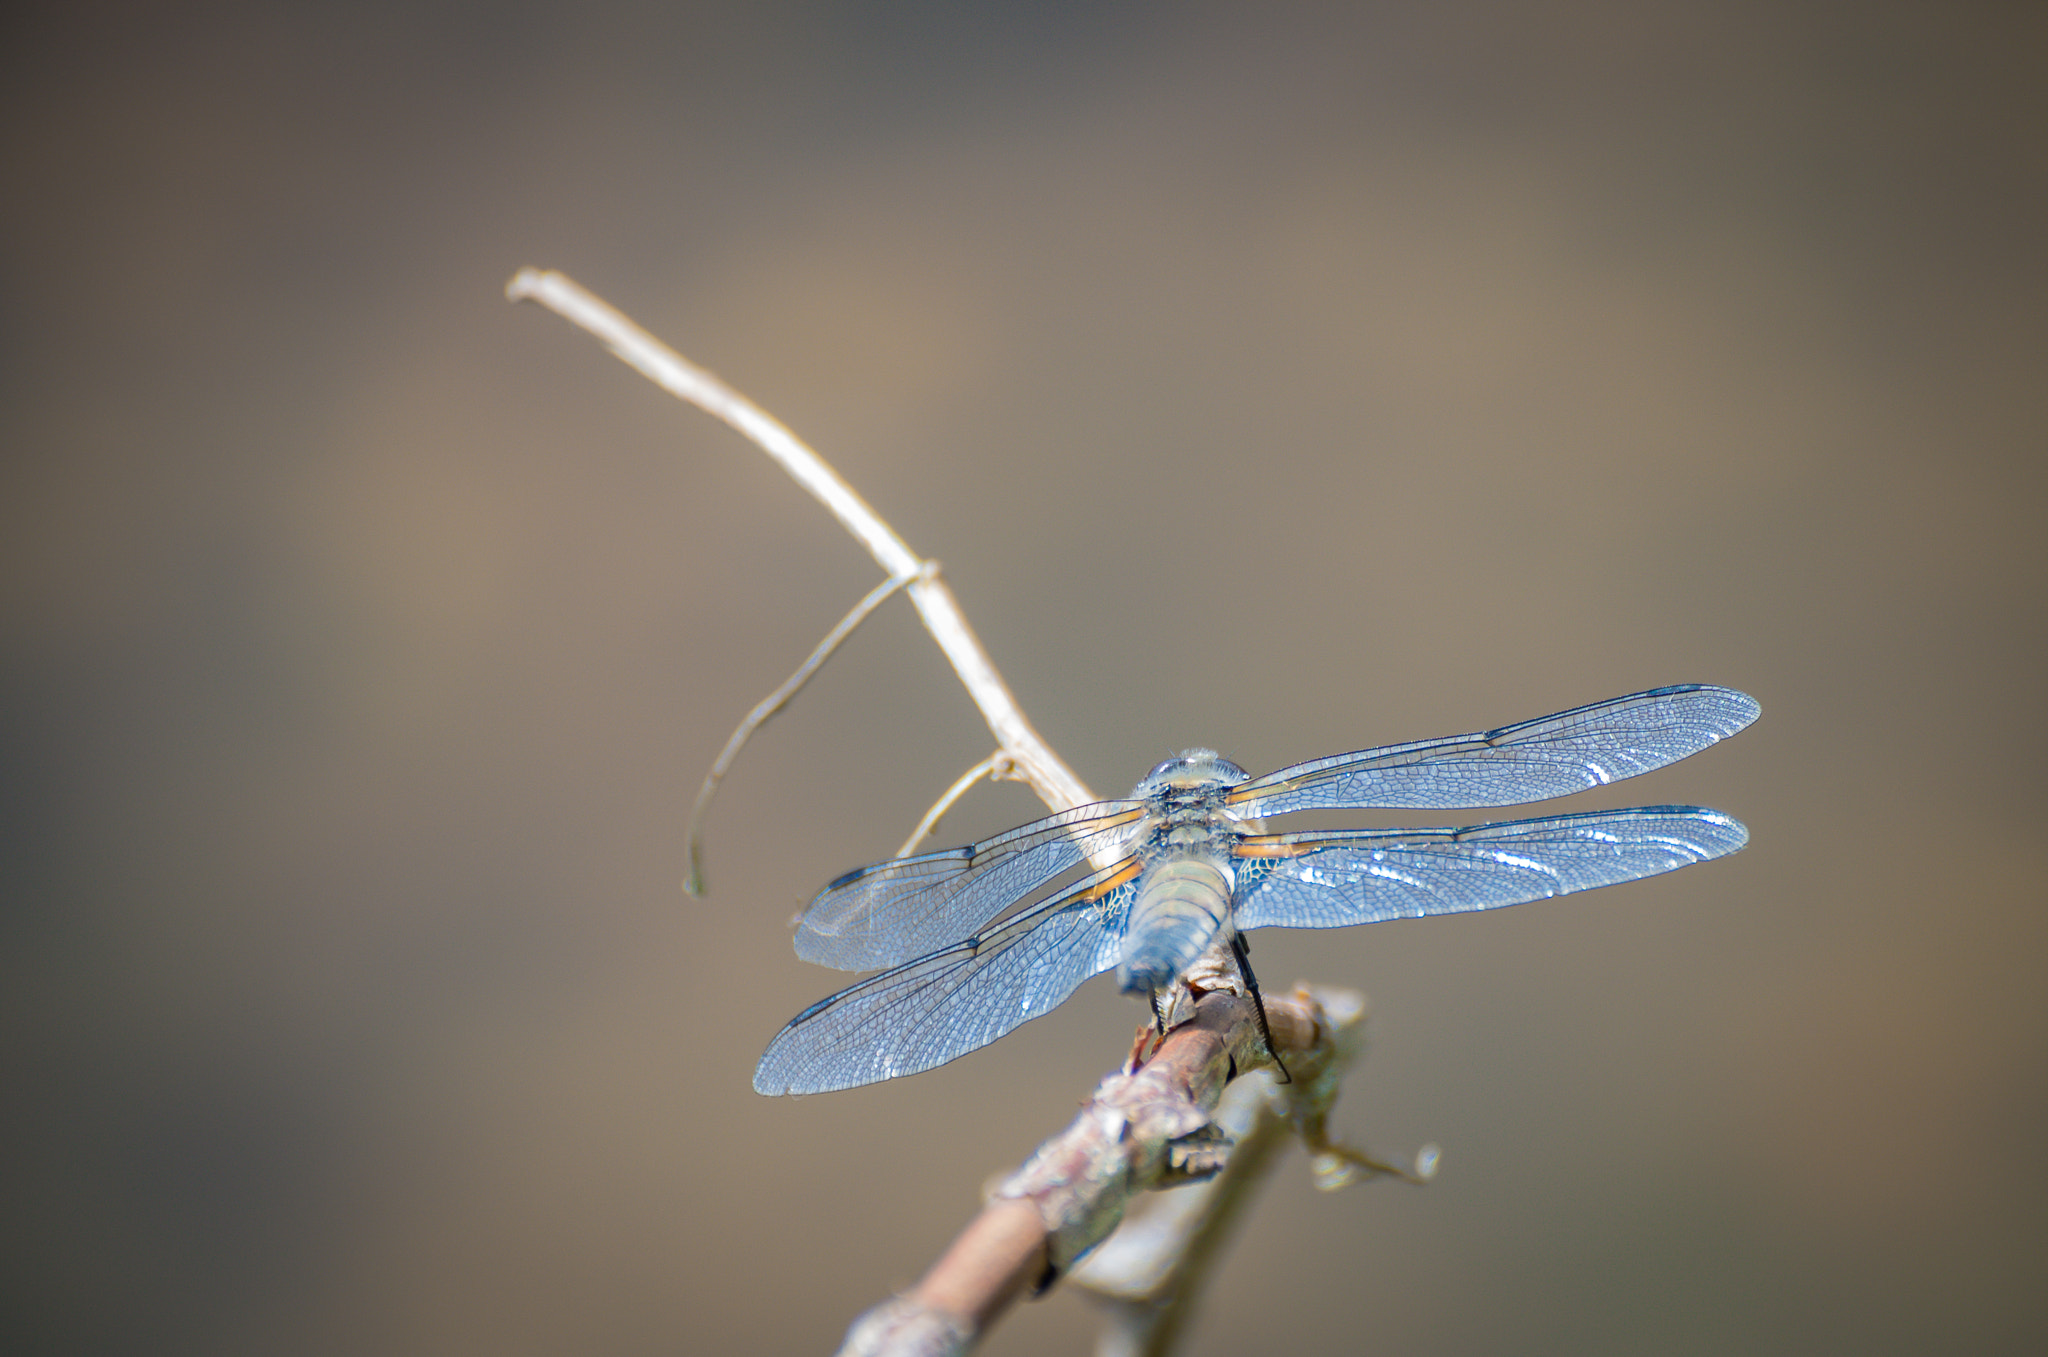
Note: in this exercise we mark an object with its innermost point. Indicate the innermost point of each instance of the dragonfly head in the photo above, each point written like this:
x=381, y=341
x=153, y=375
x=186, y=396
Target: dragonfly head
x=1191, y=769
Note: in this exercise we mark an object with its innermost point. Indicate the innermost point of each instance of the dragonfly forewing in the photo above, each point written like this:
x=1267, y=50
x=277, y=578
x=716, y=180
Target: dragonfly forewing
x=1557, y=755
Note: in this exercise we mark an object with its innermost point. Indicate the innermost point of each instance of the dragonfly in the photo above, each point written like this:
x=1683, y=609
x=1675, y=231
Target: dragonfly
x=967, y=951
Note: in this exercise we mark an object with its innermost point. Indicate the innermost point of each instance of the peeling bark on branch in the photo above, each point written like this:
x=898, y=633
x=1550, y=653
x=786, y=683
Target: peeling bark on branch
x=1144, y=1129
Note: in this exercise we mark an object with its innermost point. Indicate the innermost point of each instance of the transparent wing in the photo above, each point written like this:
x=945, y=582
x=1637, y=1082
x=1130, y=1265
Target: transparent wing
x=1366, y=875
x=1530, y=761
x=893, y=911
x=939, y=1007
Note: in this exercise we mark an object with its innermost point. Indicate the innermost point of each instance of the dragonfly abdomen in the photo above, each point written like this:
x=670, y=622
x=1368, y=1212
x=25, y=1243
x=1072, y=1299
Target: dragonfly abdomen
x=1182, y=907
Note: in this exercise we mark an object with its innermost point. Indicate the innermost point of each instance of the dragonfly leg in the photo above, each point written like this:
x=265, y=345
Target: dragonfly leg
x=1158, y=1018
x=1242, y=950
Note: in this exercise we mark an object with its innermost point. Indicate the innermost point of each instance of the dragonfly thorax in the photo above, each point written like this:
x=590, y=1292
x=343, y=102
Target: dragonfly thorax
x=1192, y=770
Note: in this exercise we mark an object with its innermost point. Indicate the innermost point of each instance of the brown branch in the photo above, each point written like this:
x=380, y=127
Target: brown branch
x=1150, y=1275
x=1143, y=1129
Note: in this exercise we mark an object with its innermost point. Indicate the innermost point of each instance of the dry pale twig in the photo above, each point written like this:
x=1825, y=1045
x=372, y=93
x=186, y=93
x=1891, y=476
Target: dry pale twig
x=1031, y=759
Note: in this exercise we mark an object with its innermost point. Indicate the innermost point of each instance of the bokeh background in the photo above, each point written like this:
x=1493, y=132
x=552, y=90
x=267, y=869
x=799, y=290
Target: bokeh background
x=1282, y=379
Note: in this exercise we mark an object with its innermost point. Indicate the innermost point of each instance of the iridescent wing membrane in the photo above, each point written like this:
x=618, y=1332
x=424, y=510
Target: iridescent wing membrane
x=1571, y=751
x=959, y=994
x=1362, y=876
x=958, y=999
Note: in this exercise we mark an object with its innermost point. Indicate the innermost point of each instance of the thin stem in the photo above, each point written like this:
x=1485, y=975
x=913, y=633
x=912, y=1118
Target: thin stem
x=693, y=883
x=994, y=767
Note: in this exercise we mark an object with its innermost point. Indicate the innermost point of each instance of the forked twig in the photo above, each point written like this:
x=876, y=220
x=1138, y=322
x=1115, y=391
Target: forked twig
x=1031, y=758
x=1149, y=1127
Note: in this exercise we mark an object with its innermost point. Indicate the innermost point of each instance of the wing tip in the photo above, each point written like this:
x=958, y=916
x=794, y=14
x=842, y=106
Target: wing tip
x=1738, y=834
x=1734, y=836
x=777, y=1075
x=1736, y=708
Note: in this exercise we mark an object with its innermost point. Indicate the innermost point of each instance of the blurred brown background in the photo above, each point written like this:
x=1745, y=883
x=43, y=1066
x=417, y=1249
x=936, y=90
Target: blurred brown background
x=1283, y=380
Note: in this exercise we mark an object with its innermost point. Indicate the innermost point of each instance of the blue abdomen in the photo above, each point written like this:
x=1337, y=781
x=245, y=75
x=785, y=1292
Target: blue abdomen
x=1182, y=907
